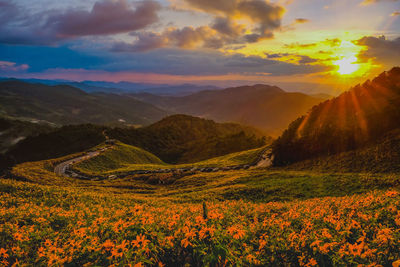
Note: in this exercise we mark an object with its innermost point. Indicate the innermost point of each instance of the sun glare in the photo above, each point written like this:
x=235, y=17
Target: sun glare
x=347, y=65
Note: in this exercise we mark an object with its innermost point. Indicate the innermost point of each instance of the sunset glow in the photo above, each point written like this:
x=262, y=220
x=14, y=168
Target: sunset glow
x=193, y=41
x=347, y=65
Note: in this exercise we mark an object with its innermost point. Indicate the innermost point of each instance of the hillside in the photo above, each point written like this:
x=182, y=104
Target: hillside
x=186, y=139
x=123, y=158
x=63, y=104
x=381, y=157
x=56, y=143
x=356, y=118
x=266, y=107
x=12, y=131
x=175, y=139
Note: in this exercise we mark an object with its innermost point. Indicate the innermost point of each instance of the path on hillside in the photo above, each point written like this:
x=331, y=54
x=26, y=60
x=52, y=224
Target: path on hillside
x=64, y=168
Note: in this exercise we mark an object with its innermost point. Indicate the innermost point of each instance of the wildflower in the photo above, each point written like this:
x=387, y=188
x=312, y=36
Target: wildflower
x=108, y=245
x=3, y=253
x=236, y=232
x=140, y=242
x=41, y=252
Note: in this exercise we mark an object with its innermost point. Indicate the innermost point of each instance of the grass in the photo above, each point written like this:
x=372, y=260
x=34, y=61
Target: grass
x=119, y=157
x=254, y=217
x=75, y=226
x=125, y=158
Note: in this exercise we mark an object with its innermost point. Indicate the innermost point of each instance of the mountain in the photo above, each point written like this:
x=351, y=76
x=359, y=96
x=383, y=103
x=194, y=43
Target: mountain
x=266, y=107
x=383, y=156
x=187, y=139
x=57, y=143
x=12, y=131
x=355, y=119
x=63, y=104
x=174, y=139
x=124, y=87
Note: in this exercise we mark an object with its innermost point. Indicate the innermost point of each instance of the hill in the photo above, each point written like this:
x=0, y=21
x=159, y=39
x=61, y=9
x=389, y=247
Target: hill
x=120, y=156
x=175, y=139
x=56, y=143
x=63, y=104
x=381, y=157
x=355, y=119
x=266, y=107
x=186, y=139
x=123, y=158
x=12, y=131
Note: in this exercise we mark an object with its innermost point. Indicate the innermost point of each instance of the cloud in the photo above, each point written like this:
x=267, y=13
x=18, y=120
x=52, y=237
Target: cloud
x=106, y=17
x=368, y=2
x=380, y=49
x=19, y=26
x=299, y=59
x=263, y=19
x=298, y=45
x=228, y=27
x=265, y=15
x=187, y=37
x=8, y=66
x=301, y=20
x=8, y=11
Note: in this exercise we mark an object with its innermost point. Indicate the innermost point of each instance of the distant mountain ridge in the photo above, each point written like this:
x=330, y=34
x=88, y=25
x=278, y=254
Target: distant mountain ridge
x=64, y=104
x=124, y=87
x=356, y=118
x=266, y=107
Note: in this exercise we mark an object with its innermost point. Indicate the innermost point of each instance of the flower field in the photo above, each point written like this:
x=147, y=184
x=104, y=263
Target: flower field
x=45, y=225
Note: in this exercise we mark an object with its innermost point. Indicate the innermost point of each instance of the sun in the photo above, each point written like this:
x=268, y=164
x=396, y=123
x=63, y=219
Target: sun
x=347, y=65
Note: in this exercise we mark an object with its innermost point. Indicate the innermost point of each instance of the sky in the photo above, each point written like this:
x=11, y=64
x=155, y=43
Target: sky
x=300, y=44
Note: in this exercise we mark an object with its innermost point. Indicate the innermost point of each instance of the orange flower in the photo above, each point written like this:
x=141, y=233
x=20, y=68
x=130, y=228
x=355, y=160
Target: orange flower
x=108, y=245
x=41, y=252
x=236, y=232
x=3, y=253
x=140, y=242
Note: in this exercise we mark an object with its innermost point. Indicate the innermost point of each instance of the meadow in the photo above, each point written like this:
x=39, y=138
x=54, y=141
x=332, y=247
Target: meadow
x=252, y=217
x=50, y=225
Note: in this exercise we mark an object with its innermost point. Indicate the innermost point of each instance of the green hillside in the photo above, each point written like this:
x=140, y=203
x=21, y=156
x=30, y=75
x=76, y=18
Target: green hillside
x=120, y=156
x=185, y=139
x=175, y=139
x=124, y=158
x=382, y=157
x=355, y=119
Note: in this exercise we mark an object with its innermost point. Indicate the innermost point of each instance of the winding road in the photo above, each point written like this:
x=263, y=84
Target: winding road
x=64, y=168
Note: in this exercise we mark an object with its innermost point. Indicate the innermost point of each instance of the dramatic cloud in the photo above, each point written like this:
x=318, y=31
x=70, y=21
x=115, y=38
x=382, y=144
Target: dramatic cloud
x=227, y=27
x=265, y=15
x=107, y=17
x=7, y=66
x=380, y=49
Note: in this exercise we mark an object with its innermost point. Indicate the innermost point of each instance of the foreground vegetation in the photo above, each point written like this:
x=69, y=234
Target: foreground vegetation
x=253, y=217
x=47, y=225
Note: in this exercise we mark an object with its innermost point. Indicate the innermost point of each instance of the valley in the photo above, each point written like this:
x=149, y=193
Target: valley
x=191, y=191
